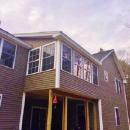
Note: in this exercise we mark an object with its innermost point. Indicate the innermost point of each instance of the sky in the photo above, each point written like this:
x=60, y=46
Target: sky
x=93, y=24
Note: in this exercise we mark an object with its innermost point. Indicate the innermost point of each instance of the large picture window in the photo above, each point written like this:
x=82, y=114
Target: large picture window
x=95, y=74
x=87, y=70
x=33, y=61
x=78, y=65
x=7, y=54
x=66, y=59
x=48, y=57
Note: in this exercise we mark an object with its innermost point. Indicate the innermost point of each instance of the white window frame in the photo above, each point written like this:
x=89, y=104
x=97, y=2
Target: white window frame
x=63, y=44
x=41, y=59
x=106, y=74
x=116, y=86
x=1, y=96
x=37, y=60
x=1, y=50
x=116, y=116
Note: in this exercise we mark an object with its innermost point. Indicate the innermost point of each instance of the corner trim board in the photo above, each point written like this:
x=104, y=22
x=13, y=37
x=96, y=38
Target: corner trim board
x=22, y=111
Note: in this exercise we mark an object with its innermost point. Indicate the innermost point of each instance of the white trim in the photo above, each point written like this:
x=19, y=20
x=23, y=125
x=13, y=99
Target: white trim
x=14, y=62
x=1, y=96
x=106, y=56
x=126, y=106
x=57, y=63
x=22, y=111
x=100, y=114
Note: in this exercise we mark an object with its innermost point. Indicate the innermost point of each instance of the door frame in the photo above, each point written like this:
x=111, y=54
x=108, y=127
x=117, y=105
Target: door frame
x=37, y=107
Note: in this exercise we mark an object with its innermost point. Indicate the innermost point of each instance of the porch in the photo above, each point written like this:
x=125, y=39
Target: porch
x=57, y=110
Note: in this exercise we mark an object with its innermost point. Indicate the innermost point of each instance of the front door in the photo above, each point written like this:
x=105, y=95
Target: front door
x=39, y=117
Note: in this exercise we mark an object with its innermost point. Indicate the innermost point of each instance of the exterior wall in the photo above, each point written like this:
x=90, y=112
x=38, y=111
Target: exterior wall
x=105, y=91
x=42, y=80
x=11, y=86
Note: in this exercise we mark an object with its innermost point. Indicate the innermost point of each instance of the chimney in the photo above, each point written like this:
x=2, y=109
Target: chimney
x=101, y=50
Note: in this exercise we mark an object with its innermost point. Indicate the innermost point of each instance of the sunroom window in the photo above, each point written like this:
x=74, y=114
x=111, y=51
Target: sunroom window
x=87, y=70
x=66, y=59
x=48, y=57
x=78, y=65
x=95, y=74
x=7, y=54
x=33, y=63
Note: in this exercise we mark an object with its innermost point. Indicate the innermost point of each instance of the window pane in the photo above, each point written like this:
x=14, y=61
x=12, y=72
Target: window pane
x=87, y=70
x=33, y=64
x=48, y=57
x=117, y=116
x=8, y=54
x=66, y=59
x=95, y=78
x=78, y=65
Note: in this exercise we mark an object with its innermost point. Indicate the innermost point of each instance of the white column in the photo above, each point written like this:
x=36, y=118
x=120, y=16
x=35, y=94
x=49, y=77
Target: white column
x=57, y=63
x=100, y=114
x=22, y=111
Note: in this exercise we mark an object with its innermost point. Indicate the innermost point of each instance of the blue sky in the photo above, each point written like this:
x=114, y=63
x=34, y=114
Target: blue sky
x=93, y=24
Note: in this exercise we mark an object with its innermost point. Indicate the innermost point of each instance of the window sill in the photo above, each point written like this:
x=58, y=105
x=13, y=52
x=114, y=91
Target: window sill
x=39, y=72
x=7, y=67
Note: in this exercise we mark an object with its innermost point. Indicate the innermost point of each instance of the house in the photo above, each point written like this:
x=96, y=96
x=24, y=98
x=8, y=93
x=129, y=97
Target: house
x=49, y=82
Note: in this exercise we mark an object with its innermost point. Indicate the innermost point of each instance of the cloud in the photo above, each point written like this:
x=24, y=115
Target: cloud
x=93, y=24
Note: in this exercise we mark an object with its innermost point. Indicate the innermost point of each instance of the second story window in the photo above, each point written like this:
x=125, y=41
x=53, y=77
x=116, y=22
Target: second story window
x=33, y=61
x=78, y=65
x=87, y=70
x=118, y=86
x=95, y=74
x=48, y=57
x=105, y=75
x=66, y=59
x=7, y=54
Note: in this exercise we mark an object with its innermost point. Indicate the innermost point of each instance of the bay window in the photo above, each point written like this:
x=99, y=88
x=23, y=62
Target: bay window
x=66, y=59
x=48, y=57
x=33, y=61
x=7, y=53
x=95, y=74
x=87, y=70
x=78, y=65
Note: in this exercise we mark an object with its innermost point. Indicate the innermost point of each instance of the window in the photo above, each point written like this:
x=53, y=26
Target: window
x=66, y=59
x=95, y=74
x=118, y=86
x=117, y=116
x=0, y=100
x=87, y=70
x=105, y=75
x=78, y=65
x=48, y=57
x=7, y=54
x=33, y=63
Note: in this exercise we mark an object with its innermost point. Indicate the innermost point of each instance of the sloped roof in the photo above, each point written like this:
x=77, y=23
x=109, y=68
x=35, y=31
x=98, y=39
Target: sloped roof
x=102, y=54
x=9, y=35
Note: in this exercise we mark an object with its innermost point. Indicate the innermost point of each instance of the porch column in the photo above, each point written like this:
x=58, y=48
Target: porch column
x=95, y=117
x=49, y=116
x=65, y=113
x=100, y=114
x=87, y=115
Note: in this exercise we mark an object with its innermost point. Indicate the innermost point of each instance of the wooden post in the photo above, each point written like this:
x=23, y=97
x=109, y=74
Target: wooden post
x=49, y=117
x=65, y=113
x=95, y=117
x=87, y=121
